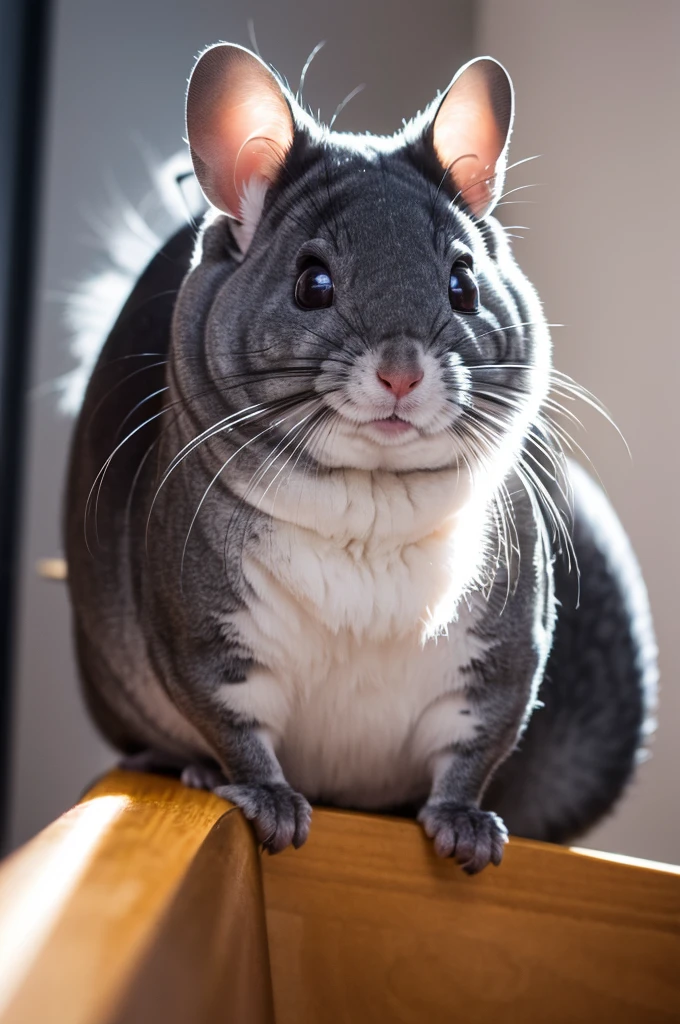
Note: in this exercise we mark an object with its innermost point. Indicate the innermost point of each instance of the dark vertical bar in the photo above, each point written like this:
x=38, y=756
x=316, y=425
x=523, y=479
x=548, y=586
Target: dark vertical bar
x=23, y=62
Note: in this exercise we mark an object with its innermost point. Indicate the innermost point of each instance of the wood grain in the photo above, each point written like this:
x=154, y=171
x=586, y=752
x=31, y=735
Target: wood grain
x=367, y=925
x=144, y=903
x=87, y=907
x=209, y=961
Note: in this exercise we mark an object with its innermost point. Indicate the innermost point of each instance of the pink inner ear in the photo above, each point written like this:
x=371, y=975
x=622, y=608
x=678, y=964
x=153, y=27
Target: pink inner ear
x=238, y=122
x=468, y=141
x=255, y=137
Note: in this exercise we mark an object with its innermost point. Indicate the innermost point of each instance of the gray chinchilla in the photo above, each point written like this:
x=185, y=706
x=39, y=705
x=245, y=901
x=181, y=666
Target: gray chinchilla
x=322, y=539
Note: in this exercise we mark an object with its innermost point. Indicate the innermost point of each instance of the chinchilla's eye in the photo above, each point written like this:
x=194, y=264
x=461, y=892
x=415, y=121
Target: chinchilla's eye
x=463, y=290
x=314, y=288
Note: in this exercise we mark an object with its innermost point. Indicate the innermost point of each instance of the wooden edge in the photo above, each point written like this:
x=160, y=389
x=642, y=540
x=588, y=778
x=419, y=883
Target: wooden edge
x=366, y=924
x=209, y=958
x=144, y=902
x=545, y=877
x=87, y=907
x=622, y=858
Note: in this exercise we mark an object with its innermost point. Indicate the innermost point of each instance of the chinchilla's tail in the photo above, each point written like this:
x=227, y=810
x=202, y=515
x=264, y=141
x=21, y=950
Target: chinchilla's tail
x=581, y=747
x=130, y=238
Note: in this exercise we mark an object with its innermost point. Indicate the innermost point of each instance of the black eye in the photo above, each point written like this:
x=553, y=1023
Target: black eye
x=463, y=290
x=314, y=288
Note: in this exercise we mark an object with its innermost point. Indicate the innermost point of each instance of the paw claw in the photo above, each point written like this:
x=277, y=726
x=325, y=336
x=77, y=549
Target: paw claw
x=280, y=816
x=475, y=838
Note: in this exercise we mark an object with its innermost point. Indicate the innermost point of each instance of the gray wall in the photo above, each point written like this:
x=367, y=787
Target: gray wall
x=598, y=85
x=117, y=80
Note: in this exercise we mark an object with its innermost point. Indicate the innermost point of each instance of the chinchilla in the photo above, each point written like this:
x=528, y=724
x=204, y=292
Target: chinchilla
x=323, y=542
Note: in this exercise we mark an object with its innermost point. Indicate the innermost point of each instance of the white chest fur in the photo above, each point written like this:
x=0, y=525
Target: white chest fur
x=359, y=624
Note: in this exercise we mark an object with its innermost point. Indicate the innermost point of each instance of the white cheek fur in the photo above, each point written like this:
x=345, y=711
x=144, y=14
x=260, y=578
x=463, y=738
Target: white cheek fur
x=362, y=635
x=426, y=407
x=432, y=409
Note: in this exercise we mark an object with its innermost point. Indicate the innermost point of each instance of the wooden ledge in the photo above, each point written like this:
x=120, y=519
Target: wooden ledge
x=366, y=920
x=144, y=894
x=145, y=903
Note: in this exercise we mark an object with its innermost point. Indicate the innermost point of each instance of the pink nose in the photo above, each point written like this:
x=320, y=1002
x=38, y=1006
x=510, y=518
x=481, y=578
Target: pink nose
x=400, y=382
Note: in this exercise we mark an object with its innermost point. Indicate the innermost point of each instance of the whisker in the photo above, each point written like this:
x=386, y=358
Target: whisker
x=305, y=69
x=519, y=188
x=226, y=424
x=130, y=376
x=99, y=479
x=214, y=480
x=343, y=103
x=526, y=160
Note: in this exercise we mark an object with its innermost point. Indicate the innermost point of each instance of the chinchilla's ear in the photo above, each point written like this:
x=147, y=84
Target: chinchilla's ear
x=239, y=126
x=471, y=131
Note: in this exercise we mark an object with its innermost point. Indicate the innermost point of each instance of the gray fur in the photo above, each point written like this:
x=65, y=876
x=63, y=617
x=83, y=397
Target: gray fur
x=156, y=544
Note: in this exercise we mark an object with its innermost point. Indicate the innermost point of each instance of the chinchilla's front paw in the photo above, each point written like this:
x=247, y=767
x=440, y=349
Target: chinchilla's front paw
x=475, y=838
x=280, y=816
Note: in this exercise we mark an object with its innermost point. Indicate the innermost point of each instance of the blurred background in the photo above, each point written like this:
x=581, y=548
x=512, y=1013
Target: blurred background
x=95, y=93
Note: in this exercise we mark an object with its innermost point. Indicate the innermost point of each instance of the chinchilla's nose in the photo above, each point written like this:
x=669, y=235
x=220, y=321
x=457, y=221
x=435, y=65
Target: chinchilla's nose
x=399, y=381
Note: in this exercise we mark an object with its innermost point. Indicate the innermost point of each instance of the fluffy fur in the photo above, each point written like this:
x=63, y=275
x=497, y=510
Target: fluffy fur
x=348, y=615
x=130, y=240
x=310, y=582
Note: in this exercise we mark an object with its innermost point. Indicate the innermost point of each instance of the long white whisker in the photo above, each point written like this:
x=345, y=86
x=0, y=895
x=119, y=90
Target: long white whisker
x=219, y=472
x=227, y=424
x=99, y=479
x=299, y=446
